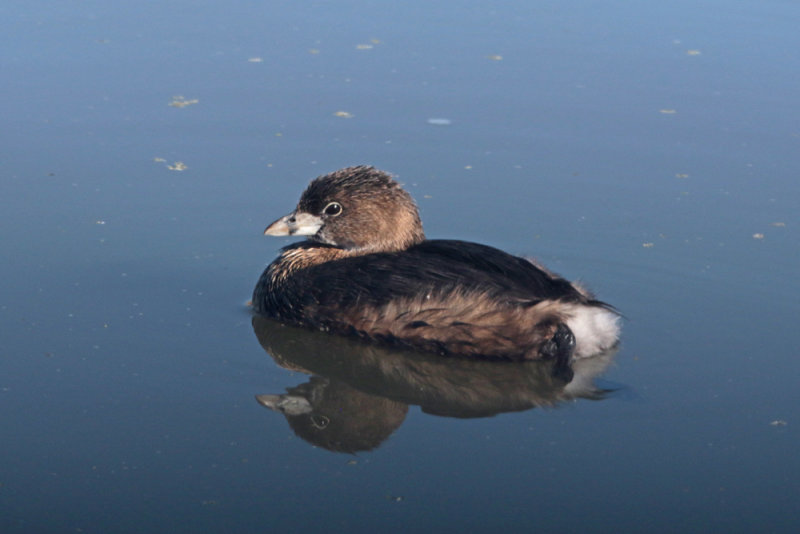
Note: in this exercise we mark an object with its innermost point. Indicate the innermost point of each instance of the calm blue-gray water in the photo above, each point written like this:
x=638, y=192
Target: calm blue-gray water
x=647, y=149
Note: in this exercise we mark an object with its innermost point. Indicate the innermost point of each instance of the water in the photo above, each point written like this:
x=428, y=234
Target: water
x=649, y=150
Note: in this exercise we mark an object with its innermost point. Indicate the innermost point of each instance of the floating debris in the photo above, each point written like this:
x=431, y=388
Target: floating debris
x=668, y=111
x=648, y=245
x=758, y=236
x=681, y=175
x=693, y=52
x=495, y=57
x=368, y=46
x=255, y=60
x=437, y=121
x=181, y=102
x=313, y=51
x=177, y=166
x=779, y=422
x=344, y=114
x=779, y=224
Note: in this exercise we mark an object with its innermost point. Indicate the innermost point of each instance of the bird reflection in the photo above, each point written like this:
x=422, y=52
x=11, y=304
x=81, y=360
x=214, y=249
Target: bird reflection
x=358, y=393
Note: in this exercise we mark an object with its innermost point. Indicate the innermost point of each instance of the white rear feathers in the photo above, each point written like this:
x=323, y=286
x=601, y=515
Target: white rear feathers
x=595, y=328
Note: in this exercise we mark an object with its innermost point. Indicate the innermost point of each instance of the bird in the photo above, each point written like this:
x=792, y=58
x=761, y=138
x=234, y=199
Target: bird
x=366, y=269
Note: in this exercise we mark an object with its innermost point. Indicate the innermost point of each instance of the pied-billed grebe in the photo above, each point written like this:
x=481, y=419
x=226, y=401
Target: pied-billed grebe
x=368, y=270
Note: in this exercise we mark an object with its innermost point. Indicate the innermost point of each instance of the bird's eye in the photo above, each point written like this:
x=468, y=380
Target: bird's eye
x=333, y=209
x=320, y=421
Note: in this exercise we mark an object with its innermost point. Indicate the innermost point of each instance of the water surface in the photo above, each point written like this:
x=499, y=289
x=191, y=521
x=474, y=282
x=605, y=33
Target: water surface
x=649, y=150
